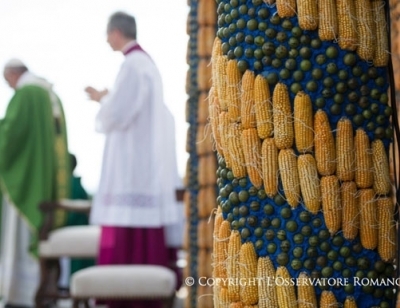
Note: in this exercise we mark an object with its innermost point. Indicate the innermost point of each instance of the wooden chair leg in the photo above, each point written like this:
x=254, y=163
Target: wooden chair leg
x=49, y=273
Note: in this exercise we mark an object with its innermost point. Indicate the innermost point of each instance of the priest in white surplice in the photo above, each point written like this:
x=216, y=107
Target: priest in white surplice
x=136, y=195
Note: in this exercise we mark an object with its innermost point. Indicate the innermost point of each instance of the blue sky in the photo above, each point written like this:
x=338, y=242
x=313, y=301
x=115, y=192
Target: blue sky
x=65, y=42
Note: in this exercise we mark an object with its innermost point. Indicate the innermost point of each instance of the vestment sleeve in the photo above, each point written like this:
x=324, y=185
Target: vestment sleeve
x=124, y=102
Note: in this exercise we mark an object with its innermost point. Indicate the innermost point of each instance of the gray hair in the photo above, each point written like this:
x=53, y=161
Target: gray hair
x=124, y=23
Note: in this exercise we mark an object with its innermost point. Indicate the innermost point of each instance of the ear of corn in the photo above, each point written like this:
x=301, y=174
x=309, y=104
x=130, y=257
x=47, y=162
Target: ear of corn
x=289, y=175
x=221, y=250
x=248, y=115
x=252, y=154
x=233, y=79
x=267, y=297
x=216, y=246
x=248, y=272
x=331, y=203
x=381, y=55
x=363, y=173
x=350, y=210
x=382, y=184
x=220, y=81
x=328, y=300
x=236, y=305
x=387, y=229
x=328, y=22
x=309, y=182
x=282, y=117
x=233, y=269
x=325, y=153
x=286, y=8
x=285, y=293
x=303, y=122
x=345, y=150
x=223, y=128
x=368, y=219
x=236, y=151
x=306, y=297
x=269, y=158
x=365, y=29
x=263, y=107
x=348, y=38
x=214, y=110
x=350, y=302
x=307, y=14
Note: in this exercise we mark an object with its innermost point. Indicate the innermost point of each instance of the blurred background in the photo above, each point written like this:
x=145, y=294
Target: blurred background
x=65, y=42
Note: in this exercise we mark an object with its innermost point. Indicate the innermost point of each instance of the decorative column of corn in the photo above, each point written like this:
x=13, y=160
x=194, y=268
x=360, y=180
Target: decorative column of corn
x=200, y=179
x=395, y=34
x=301, y=121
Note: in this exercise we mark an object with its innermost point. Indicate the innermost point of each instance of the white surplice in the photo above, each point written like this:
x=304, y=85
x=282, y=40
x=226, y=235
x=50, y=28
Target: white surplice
x=138, y=177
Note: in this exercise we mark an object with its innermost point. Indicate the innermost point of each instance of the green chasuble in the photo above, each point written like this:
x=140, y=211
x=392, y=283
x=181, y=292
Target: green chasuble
x=34, y=163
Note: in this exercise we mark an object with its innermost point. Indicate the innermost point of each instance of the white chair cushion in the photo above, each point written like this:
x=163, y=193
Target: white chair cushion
x=73, y=241
x=123, y=281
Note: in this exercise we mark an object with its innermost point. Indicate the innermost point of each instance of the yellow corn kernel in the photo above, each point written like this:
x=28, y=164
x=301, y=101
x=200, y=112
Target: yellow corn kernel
x=387, y=229
x=223, y=128
x=236, y=151
x=307, y=14
x=325, y=153
x=306, y=297
x=350, y=210
x=328, y=300
x=363, y=156
x=285, y=293
x=270, y=168
x=309, y=182
x=365, y=29
x=220, y=82
x=223, y=295
x=252, y=155
x=233, y=79
x=286, y=8
x=282, y=117
x=380, y=162
x=287, y=162
x=267, y=297
x=248, y=271
x=248, y=113
x=213, y=111
x=350, y=302
x=368, y=219
x=236, y=305
x=263, y=107
x=345, y=150
x=233, y=269
x=303, y=123
x=381, y=55
x=331, y=203
x=221, y=250
x=346, y=12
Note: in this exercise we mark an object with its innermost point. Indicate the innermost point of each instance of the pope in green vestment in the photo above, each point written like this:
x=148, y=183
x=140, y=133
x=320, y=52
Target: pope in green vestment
x=34, y=167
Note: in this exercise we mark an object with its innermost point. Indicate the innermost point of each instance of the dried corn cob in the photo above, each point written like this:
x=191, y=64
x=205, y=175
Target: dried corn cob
x=307, y=14
x=363, y=173
x=223, y=128
x=345, y=150
x=325, y=154
x=306, y=297
x=387, y=229
x=269, y=159
x=282, y=117
x=267, y=297
x=214, y=110
x=381, y=55
x=285, y=293
x=328, y=300
x=289, y=175
x=350, y=302
x=346, y=11
x=233, y=265
x=303, y=122
x=233, y=79
x=286, y=8
x=221, y=249
x=248, y=115
x=309, y=182
x=236, y=151
x=248, y=271
x=382, y=184
x=263, y=107
x=365, y=29
x=328, y=22
x=220, y=84
x=252, y=154
x=331, y=203
x=368, y=219
x=350, y=210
